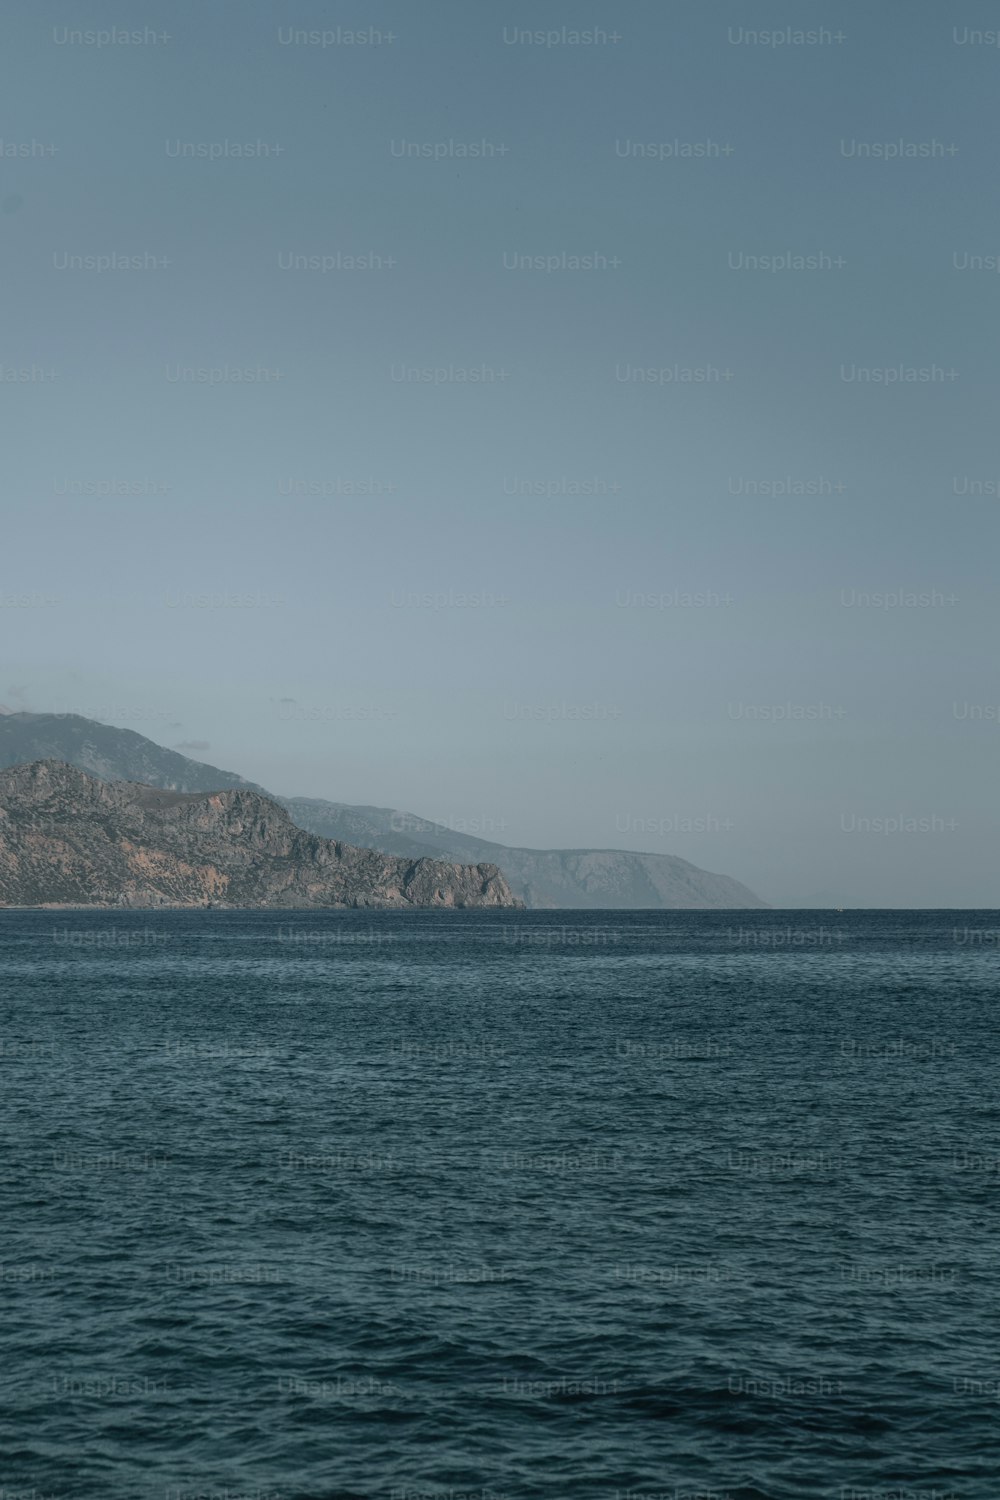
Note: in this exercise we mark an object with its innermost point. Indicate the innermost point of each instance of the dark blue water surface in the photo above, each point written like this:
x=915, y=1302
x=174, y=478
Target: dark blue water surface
x=310, y=1206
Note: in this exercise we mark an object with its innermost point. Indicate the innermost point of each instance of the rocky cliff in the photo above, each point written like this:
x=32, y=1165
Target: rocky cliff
x=70, y=839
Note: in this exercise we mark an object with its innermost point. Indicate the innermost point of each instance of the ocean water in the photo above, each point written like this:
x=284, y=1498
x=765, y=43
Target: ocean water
x=316, y=1206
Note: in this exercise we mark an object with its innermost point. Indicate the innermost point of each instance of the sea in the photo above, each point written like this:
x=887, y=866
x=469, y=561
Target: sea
x=497, y=1205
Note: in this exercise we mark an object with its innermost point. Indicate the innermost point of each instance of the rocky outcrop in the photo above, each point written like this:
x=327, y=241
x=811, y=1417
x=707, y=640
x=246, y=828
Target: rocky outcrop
x=70, y=839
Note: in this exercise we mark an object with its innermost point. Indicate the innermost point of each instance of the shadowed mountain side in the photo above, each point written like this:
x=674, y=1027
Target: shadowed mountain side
x=110, y=753
x=71, y=839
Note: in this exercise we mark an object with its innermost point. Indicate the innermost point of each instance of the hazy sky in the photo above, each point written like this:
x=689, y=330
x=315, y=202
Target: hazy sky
x=344, y=579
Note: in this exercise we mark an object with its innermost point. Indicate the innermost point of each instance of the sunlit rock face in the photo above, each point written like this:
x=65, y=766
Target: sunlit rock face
x=70, y=839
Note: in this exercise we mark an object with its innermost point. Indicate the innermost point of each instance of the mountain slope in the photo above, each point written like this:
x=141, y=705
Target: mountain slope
x=548, y=878
x=545, y=878
x=68, y=838
x=112, y=754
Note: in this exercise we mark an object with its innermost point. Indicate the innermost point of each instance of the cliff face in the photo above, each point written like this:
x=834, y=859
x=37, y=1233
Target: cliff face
x=67, y=838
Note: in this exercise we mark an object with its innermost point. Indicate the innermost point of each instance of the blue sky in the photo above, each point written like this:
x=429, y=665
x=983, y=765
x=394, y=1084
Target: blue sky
x=554, y=585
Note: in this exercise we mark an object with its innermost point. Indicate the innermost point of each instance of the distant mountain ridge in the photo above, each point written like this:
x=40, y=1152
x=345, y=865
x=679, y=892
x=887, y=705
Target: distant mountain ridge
x=68, y=838
x=110, y=753
x=542, y=878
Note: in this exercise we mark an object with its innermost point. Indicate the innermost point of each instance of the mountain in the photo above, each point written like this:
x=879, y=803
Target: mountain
x=600, y=879
x=71, y=839
x=112, y=754
x=548, y=878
